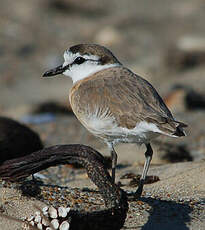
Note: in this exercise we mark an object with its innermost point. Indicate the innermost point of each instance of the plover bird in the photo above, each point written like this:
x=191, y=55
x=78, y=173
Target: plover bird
x=113, y=103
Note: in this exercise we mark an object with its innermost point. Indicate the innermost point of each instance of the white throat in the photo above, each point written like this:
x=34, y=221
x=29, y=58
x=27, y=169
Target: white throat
x=84, y=70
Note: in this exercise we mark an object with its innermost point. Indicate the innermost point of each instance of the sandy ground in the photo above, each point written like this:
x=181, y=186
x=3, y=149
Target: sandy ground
x=151, y=39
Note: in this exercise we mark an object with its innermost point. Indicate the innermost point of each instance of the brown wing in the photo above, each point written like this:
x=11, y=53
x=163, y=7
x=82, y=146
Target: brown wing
x=130, y=99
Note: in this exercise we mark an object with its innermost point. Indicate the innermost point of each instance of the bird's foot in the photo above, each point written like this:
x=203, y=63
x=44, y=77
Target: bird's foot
x=137, y=194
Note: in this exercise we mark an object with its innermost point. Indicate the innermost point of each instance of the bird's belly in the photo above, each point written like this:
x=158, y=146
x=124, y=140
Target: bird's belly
x=106, y=127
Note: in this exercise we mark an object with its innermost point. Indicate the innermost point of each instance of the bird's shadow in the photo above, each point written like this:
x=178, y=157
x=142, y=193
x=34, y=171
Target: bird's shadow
x=167, y=215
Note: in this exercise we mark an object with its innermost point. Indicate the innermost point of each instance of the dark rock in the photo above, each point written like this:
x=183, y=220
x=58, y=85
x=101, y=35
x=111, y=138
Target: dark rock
x=195, y=100
x=52, y=107
x=16, y=140
x=175, y=153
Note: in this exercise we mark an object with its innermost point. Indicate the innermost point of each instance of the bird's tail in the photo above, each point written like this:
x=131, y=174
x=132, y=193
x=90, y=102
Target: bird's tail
x=179, y=132
x=172, y=128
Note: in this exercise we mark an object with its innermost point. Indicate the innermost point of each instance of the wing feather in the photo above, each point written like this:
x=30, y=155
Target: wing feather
x=127, y=97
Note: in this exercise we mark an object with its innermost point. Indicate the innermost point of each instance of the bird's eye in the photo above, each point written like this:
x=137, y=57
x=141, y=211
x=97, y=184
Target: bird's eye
x=79, y=60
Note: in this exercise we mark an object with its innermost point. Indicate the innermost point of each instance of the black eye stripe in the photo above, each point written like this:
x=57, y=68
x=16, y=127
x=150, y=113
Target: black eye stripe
x=79, y=60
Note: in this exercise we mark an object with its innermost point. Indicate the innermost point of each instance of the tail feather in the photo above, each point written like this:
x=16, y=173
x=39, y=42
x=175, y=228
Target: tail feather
x=172, y=128
x=179, y=129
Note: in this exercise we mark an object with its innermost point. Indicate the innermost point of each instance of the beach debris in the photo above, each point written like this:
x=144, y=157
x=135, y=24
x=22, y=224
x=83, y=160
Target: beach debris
x=48, y=218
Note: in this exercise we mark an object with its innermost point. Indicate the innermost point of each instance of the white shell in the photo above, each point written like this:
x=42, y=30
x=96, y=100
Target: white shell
x=45, y=209
x=39, y=226
x=52, y=212
x=30, y=218
x=55, y=223
x=45, y=222
x=45, y=213
x=68, y=209
x=37, y=219
x=37, y=213
x=64, y=226
x=62, y=212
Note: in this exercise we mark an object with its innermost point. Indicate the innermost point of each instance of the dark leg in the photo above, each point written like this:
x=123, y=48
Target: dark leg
x=114, y=160
x=33, y=177
x=148, y=158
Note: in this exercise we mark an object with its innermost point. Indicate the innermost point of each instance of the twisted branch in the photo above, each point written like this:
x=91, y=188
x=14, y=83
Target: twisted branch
x=115, y=198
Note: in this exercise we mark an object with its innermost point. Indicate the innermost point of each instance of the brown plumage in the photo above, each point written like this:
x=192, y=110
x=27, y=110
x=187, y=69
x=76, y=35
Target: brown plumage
x=106, y=56
x=113, y=103
x=125, y=96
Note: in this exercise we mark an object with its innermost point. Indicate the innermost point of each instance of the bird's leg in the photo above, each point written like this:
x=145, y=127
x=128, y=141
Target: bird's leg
x=148, y=158
x=114, y=160
x=114, y=163
x=33, y=177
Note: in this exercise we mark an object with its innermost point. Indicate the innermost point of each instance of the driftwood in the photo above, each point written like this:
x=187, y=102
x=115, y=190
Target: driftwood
x=113, y=217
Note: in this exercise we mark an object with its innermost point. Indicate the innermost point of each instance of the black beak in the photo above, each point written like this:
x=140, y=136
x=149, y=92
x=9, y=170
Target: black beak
x=58, y=70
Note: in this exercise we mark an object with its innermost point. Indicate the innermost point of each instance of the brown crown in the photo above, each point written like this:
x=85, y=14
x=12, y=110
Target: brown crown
x=106, y=56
